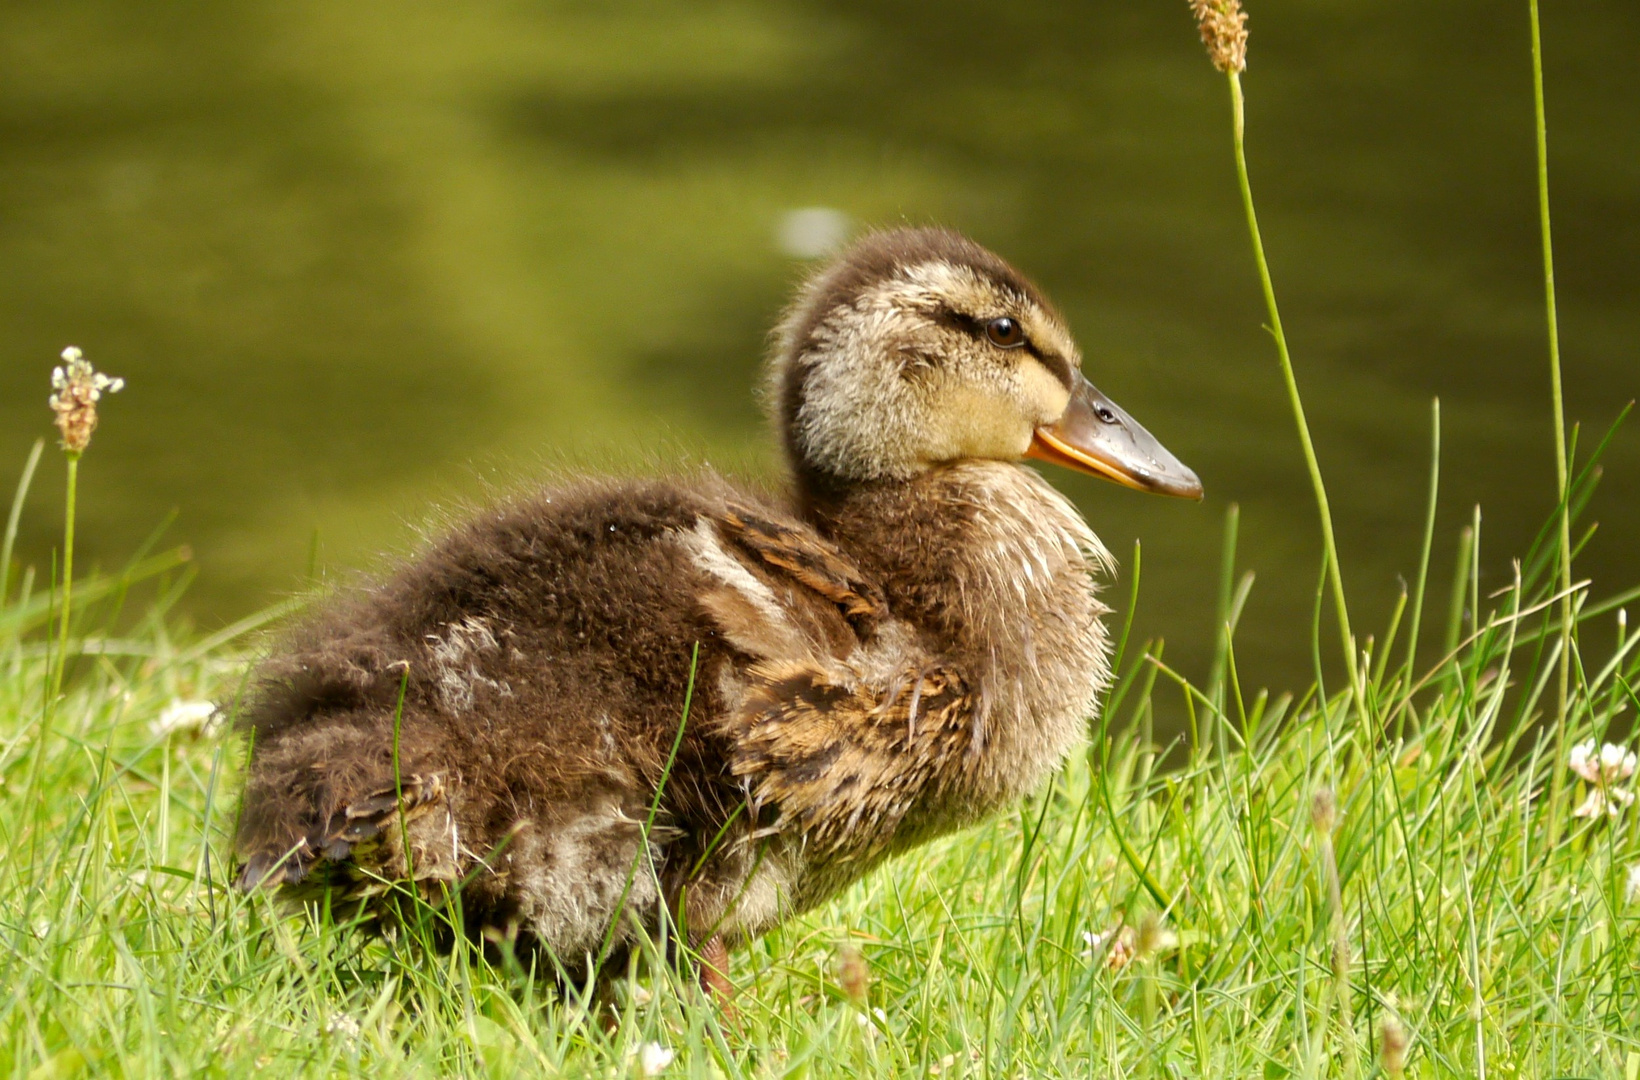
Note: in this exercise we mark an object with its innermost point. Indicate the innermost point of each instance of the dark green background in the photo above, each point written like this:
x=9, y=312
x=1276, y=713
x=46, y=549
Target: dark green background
x=361, y=260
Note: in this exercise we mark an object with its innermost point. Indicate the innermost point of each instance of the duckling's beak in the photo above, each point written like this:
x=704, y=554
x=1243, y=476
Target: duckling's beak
x=1095, y=436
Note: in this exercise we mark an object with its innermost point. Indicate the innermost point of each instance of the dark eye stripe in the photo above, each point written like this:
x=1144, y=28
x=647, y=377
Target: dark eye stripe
x=1057, y=365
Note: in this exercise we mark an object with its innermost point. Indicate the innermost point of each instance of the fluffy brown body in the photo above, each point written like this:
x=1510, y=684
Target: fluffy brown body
x=906, y=642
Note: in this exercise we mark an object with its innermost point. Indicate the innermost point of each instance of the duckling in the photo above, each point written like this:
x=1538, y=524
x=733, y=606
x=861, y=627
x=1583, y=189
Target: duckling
x=615, y=705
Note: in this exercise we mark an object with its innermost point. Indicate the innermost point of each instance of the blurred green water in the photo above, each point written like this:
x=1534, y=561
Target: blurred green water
x=359, y=261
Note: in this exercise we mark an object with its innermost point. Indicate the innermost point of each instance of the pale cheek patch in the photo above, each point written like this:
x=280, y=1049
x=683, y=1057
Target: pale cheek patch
x=975, y=424
x=1045, y=395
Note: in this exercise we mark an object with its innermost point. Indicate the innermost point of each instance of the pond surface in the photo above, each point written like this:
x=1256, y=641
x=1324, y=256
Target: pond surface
x=360, y=262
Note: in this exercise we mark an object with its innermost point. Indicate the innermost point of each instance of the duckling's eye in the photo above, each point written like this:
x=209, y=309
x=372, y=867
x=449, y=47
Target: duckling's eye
x=1005, y=333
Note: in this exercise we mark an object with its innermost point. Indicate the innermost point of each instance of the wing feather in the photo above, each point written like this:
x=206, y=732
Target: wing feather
x=843, y=761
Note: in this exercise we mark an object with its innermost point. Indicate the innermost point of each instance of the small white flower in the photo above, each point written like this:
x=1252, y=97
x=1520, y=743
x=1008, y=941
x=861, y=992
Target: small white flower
x=343, y=1025
x=1600, y=801
x=653, y=1058
x=185, y=718
x=1579, y=760
x=1615, y=761
x=1611, y=763
x=935, y=1068
x=1602, y=770
x=41, y=928
x=1633, y=891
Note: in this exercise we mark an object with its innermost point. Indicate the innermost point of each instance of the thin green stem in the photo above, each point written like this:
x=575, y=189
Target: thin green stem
x=1340, y=954
x=1334, y=573
x=1424, y=552
x=398, y=776
x=68, y=573
x=1553, y=327
x=16, y=515
x=1221, y=626
x=644, y=851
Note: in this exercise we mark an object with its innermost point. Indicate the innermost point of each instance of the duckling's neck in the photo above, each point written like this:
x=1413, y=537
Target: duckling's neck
x=998, y=573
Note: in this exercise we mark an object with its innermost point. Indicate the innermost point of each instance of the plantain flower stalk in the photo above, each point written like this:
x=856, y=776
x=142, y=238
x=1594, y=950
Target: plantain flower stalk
x=1155, y=937
x=853, y=974
x=1224, y=31
x=79, y=387
x=1393, y=1042
x=1324, y=816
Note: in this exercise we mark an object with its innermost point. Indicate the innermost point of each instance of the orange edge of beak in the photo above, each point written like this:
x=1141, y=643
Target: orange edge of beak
x=1045, y=447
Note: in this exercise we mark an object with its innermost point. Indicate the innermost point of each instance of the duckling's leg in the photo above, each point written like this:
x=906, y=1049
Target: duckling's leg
x=714, y=978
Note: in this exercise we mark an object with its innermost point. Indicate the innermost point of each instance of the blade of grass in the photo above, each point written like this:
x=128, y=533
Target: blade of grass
x=13, y=518
x=1335, y=573
x=1428, y=545
x=68, y=572
x=1567, y=626
x=1221, y=611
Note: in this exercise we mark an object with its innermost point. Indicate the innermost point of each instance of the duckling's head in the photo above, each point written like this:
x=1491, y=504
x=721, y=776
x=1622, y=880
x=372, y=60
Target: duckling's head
x=916, y=348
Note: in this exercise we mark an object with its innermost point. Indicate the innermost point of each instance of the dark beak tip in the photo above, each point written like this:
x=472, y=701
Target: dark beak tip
x=1176, y=479
x=1182, y=487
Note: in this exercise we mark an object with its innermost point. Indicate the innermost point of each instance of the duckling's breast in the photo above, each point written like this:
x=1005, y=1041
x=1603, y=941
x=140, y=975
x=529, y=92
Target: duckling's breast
x=1001, y=575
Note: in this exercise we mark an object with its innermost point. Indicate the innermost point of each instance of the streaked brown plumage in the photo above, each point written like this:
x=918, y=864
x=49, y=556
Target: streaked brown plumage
x=906, y=642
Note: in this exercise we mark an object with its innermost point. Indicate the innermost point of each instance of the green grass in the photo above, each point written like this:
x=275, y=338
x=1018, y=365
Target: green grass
x=1501, y=953
x=1268, y=896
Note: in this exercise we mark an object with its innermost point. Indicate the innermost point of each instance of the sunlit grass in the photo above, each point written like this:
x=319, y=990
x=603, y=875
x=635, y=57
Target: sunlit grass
x=997, y=952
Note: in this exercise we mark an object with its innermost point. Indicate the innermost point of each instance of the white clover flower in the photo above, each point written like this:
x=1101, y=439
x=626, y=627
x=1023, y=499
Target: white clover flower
x=935, y=1068
x=1600, y=801
x=1603, y=770
x=1610, y=764
x=1614, y=760
x=653, y=1058
x=185, y=718
x=343, y=1025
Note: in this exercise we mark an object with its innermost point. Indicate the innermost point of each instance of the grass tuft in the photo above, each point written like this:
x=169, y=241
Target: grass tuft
x=1217, y=918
